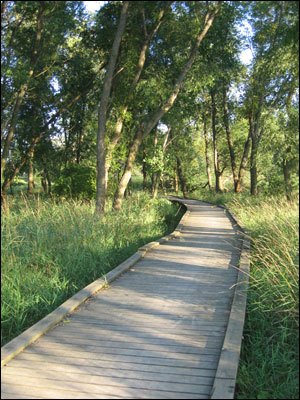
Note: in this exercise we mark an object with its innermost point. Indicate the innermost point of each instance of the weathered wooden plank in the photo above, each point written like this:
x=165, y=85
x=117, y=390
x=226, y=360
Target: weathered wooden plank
x=59, y=348
x=189, y=385
x=102, y=333
x=186, y=362
x=102, y=389
x=148, y=322
x=157, y=366
x=202, y=309
x=131, y=342
x=194, y=329
x=175, y=329
x=132, y=371
x=22, y=392
x=129, y=350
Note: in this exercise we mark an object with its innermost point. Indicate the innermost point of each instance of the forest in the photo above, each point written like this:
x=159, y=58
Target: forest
x=104, y=112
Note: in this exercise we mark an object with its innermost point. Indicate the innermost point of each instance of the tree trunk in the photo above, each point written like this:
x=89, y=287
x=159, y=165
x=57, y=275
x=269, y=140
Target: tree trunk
x=128, y=191
x=176, y=179
x=288, y=160
x=79, y=144
x=155, y=185
x=181, y=177
x=244, y=162
x=101, y=151
x=254, y=123
x=162, y=182
x=229, y=141
x=157, y=177
x=218, y=173
x=144, y=173
x=44, y=183
x=48, y=181
x=253, y=167
x=207, y=161
x=287, y=178
x=117, y=204
x=30, y=173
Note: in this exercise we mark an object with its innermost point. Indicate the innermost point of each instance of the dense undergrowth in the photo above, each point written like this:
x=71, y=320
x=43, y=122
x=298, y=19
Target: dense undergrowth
x=269, y=363
x=51, y=248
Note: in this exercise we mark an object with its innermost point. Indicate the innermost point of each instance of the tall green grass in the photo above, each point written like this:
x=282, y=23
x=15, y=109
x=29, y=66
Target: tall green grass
x=269, y=365
x=269, y=362
x=50, y=249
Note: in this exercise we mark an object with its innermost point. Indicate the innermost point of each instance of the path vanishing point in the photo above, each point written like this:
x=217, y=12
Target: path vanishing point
x=170, y=327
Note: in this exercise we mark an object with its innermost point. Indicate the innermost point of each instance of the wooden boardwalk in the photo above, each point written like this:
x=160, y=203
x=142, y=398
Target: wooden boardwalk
x=157, y=332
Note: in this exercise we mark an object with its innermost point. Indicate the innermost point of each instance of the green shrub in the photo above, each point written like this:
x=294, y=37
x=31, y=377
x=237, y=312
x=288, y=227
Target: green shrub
x=76, y=181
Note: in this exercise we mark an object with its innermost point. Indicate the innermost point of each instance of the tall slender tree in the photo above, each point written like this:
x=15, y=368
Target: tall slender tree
x=146, y=127
x=101, y=151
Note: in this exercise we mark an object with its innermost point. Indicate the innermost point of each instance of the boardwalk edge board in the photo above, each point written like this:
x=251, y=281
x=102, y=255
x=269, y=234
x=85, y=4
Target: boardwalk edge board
x=30, y=335
x=225, y=379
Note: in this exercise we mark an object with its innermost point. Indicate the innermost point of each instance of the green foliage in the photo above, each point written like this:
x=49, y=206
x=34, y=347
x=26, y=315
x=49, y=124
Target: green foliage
x=76, y=181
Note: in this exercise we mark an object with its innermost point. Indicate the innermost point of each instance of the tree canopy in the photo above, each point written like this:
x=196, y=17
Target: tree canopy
x=156, y=88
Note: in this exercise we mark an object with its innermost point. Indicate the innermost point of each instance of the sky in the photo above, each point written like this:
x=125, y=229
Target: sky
x=93, y=5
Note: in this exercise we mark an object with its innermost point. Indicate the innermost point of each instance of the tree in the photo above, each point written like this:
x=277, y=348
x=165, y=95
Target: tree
x=146, y=126
x=275, y=64
x=32, y=35
x=101, y=186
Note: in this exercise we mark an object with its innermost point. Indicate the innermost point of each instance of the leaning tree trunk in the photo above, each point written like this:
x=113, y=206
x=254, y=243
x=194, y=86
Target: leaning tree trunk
x=101, y=151
x=208, y=20
x=127, y=170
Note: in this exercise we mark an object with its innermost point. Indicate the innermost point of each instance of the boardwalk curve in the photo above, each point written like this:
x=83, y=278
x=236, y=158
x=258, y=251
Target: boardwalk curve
x=170, y=327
